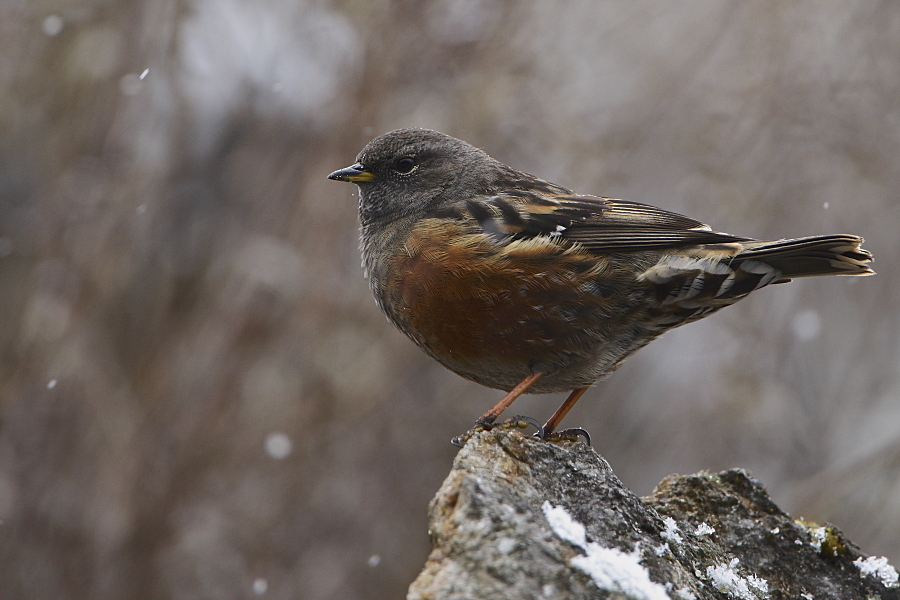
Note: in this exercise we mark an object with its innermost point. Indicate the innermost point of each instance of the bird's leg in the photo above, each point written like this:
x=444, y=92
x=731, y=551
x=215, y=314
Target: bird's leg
x=566, y=406
x=486, y=421
x=488, y=418
x=550, y=432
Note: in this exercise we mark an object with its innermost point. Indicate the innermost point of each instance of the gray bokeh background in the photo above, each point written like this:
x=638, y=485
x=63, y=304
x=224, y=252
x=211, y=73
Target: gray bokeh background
x=200, y=399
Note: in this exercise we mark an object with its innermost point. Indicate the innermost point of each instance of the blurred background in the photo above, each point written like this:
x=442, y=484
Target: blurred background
x=198, y=395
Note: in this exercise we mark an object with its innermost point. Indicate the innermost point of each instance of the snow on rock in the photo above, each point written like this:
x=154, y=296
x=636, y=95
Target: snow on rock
x=610, y=568
x=878, y=567
x=726, y=579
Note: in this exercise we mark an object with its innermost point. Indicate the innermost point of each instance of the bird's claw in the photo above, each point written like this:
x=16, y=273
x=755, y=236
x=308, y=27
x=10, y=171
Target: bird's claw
x=567, y=435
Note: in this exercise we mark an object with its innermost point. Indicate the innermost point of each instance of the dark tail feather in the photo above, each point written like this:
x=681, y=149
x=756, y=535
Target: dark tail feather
x=811, y=256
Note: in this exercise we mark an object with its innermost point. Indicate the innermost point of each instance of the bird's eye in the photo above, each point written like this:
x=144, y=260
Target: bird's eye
x=405, y=165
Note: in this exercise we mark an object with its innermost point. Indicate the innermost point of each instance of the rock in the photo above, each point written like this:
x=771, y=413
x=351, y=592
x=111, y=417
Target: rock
x=519, y=518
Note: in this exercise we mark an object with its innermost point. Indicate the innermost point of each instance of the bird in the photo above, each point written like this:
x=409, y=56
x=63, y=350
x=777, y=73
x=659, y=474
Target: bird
x=523, y=285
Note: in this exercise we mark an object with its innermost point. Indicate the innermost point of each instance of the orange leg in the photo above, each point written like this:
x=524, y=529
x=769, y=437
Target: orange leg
x=491, y=415
x=553, y=421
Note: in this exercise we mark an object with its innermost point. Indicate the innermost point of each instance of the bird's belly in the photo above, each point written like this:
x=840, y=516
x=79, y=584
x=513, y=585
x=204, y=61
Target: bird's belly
x=495, y=315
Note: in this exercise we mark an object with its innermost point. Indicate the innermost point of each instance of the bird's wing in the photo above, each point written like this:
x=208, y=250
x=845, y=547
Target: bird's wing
x=598, y=224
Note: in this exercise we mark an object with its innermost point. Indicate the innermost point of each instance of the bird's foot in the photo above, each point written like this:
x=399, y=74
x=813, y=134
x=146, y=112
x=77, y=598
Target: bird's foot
x=517, y=422
x=566, y=435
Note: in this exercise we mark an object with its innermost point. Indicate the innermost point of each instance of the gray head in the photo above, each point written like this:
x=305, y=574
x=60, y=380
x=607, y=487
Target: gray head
x=410, y=171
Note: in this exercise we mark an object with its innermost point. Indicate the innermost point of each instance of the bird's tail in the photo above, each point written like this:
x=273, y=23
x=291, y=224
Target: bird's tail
x=811, y=256
x=690, y=287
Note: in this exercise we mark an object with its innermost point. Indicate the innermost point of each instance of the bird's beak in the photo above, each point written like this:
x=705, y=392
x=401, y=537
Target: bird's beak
x=354, y=174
